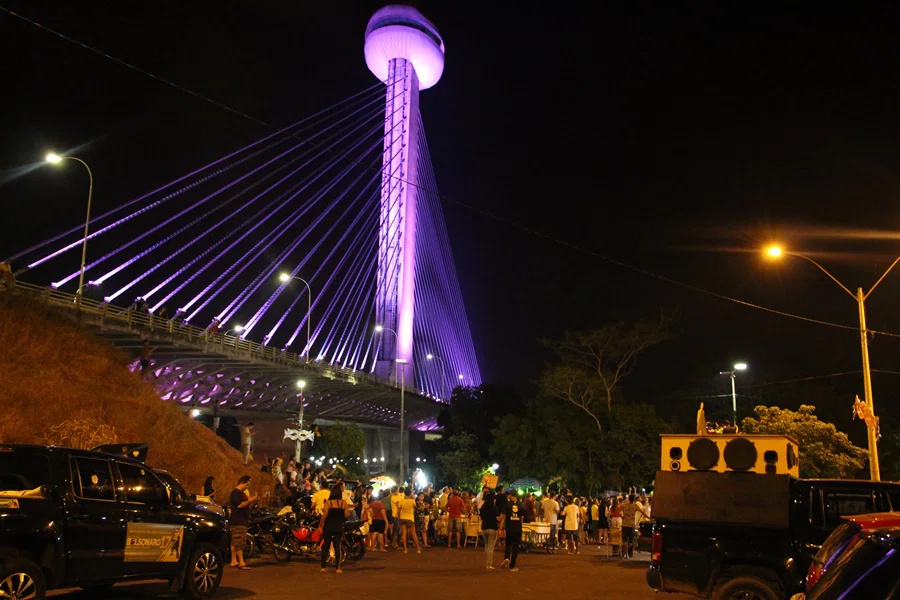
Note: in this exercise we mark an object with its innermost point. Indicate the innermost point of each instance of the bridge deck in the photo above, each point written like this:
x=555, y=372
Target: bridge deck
x=214, y=371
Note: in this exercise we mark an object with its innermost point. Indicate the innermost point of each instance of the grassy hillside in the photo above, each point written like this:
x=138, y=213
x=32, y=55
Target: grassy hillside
x=60, y=385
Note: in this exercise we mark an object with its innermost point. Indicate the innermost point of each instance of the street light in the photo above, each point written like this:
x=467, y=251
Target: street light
x=55, y=159
x=443, y=373
x=860, y=297
x=382, y=329
x=402, y=362
x=236, y=329
x=737, y=367
x=301, y=384
x=286, y=277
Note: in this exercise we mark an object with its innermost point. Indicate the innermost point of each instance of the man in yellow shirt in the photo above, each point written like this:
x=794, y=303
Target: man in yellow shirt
x=318, y=500
x=396, y=497
x=407, y=507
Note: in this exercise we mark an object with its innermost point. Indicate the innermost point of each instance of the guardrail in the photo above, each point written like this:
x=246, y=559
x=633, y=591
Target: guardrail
x=132, y=320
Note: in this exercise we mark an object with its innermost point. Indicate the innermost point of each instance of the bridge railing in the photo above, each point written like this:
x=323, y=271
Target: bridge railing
x=134, y=320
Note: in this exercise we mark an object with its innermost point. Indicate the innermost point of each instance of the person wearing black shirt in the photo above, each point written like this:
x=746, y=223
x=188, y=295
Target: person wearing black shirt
x=240, y=502
x=489, y=515
x=334, y=514
x=511, y=522
x=500, y=499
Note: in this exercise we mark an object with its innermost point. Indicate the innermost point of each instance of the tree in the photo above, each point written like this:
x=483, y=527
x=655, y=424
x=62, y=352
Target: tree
x=824, y=451
x=344, y=441
x=477, y=410
x=555, y=440
x=593, y=363
x=461, y=465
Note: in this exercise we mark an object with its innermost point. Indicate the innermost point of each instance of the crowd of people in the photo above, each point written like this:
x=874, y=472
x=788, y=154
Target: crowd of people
x=406, y=518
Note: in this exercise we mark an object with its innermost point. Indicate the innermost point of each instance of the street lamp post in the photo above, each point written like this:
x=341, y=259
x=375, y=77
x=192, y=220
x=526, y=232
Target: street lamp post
x=301, y=384
x=443, y=374
x=731, y=373
x=285, y=277
x=382, y=329
x=402, y=363
x=56, y=159
x=860, y=298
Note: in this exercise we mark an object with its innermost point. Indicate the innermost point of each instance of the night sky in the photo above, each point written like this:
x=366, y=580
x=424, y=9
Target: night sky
x=678, y=141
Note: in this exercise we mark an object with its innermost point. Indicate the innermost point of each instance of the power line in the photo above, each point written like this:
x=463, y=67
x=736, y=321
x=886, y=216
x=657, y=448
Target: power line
x=476, y=209
x=124, y=63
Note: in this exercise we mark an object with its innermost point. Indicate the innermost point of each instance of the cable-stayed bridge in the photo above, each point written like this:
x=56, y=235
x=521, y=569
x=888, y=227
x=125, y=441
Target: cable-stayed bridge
x=318, y=252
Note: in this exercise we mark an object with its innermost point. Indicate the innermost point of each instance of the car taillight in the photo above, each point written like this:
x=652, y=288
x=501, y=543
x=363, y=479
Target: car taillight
x=656, y=548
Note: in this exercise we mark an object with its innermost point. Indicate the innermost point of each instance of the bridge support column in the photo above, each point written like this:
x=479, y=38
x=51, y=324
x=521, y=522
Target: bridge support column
x=395, y=292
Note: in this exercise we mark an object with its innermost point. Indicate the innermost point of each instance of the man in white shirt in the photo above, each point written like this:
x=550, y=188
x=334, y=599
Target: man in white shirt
x=247, y=434
x=572, y=515
x=550, y=513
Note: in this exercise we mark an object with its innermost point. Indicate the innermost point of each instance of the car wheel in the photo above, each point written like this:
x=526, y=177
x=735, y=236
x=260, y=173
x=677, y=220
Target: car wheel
x=745, y=588
x=204, y=572
x=22, y=580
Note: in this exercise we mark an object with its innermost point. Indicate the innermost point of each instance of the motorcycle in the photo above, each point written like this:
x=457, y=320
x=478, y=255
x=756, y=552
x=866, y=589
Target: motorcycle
x=259, y=533
x=298, y=535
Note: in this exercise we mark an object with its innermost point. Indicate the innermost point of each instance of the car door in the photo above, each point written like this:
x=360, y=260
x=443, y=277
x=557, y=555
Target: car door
x=829, y=503
x=95, y=532
x=153, y=545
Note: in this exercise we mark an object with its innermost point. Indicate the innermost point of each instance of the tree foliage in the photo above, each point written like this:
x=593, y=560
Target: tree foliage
x=824, y=451
x=461, y=465
x=555, y=440
x=592, y=364
x=344, y=441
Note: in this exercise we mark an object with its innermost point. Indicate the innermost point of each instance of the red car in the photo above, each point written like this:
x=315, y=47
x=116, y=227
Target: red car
x=846, y=535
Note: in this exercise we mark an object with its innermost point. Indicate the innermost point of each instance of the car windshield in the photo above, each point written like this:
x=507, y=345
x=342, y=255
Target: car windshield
x=836, y=542
x=20, y=471
x=866, y=570
x=173, y=483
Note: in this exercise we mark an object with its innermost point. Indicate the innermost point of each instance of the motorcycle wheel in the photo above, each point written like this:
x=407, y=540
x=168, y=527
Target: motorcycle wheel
x=282, y=555
x=353, y=550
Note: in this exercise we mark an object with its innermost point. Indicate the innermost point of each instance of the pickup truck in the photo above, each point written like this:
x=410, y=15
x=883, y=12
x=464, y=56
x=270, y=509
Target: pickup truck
x=730, y=536
x=79, y=518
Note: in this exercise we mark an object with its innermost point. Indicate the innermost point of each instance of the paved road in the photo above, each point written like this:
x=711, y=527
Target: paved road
x=436, y=572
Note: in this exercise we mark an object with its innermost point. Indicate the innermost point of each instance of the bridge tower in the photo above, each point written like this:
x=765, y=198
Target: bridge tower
x=404, y=50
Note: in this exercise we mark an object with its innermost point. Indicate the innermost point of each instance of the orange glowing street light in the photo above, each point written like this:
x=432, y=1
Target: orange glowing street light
x=776, y=251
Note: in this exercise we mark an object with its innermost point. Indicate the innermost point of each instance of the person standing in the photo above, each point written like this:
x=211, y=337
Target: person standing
x=146, y=351
x=331, y=526
x=407, y=507
x=572, y=516
x=455, y=508
x=550, y=508
x=377, y=524
x=511, y=523
x=528, y=515
x=209, y=489
x=630, y=512
x=247, y=434
x=489, y=517
x=398, y=495
x=239, y=502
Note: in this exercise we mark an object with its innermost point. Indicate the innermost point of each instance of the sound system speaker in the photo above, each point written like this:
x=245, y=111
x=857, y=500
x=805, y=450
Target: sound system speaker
x=730, y=498
x=725, y=453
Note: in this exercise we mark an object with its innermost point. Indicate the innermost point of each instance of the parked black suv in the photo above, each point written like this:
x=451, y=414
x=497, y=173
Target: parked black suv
x=743, y=535
x=78, y=518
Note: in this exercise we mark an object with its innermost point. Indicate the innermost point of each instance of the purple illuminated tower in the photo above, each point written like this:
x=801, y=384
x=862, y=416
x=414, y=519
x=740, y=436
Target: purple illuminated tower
x=403, y=49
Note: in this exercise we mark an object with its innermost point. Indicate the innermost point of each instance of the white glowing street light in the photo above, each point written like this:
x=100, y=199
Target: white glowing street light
x=775, y=251
x=55, y=159
x=285, y=278
x=443, y=373
x=737, y=367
